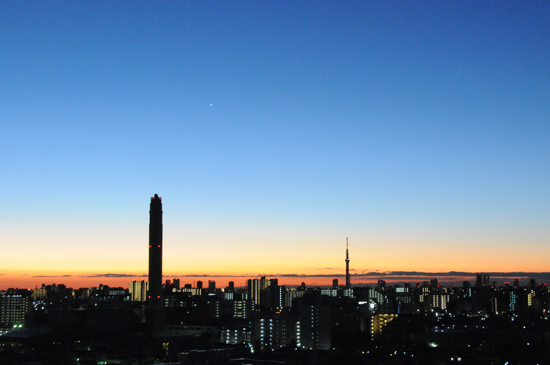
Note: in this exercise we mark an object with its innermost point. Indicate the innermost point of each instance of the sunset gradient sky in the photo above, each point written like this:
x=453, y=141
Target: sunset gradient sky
x=273, y=130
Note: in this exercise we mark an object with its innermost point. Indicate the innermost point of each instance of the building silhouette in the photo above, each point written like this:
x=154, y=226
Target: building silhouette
x=348, y=282
x=154, y=298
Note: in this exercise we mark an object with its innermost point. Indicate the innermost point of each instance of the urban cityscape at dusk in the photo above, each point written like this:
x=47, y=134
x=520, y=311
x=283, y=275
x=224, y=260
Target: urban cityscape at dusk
x=158, y=321
x=219, y=178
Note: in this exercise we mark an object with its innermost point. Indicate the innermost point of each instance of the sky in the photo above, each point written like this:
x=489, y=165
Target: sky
x=273, y=130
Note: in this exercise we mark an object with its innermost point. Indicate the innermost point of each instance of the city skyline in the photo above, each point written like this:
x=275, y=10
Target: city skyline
x=448, y=279
x=274, y=131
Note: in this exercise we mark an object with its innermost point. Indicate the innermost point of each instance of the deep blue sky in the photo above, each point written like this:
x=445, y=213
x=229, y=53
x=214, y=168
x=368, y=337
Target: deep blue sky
x=405, y=123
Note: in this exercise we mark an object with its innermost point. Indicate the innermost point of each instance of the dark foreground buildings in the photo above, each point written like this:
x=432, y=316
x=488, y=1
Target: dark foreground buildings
x=421, y=323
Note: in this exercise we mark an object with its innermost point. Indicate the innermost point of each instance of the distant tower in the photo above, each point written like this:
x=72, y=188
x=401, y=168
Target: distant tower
x=348, y=283
x=155, y=253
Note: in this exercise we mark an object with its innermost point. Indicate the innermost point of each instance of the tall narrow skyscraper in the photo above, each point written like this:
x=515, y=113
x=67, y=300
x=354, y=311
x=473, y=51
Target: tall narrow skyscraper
x=348, y=283
x=154, y=297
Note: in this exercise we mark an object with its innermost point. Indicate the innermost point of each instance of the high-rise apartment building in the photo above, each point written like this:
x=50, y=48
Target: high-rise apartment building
x=155, y=253
x=13, y=308
x=255, y=286
x=313, y=329
x=138, y=291
x=254, y=290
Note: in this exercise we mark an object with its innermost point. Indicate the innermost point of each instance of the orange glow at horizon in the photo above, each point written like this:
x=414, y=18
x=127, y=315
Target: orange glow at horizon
x=82, y=255
x=27, y=281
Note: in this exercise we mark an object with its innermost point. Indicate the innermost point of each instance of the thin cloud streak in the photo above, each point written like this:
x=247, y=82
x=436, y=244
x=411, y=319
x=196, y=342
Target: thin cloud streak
x=391, y=274
x=364, y=278
x=52, y=276
x=109, y=275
